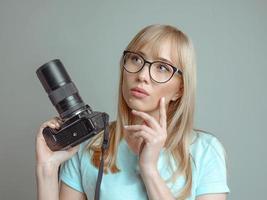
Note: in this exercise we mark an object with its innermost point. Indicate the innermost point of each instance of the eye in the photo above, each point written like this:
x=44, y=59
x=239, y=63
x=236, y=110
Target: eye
x=136, y=59
x=163, y=68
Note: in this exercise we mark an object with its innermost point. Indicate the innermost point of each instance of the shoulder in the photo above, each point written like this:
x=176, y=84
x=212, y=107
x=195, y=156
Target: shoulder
x=206, y=144
x=209, y=164
x=83, y=152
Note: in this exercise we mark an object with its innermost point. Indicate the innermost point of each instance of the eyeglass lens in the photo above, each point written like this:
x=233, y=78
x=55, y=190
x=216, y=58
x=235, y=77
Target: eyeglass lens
x=159, y=71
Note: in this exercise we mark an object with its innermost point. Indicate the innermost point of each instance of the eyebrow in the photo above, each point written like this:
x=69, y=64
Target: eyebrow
x=158, y=58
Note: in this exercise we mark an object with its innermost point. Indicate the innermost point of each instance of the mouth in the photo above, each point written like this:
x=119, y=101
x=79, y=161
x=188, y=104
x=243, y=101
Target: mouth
x=139, y=92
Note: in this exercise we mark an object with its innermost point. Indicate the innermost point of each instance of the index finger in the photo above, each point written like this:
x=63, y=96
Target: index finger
x=148, y=119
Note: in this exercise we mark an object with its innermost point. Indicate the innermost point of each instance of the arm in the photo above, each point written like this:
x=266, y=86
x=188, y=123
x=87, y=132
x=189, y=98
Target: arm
x=156, y=187
x=67, y=193
x=47, y=183
x=153, y=134
x=48, y=187
x=219, y=196
x=212, y=183
x=47, y=165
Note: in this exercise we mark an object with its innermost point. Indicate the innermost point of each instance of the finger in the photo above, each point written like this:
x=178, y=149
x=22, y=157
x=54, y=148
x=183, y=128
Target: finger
x=141, y=147
x=127, y=135
x=139, y=128
x=49, y=124
x=151, y=121
x=162, y=113
x=57, y=121
x=44, y=125
x=52, y=125
x=146, y=136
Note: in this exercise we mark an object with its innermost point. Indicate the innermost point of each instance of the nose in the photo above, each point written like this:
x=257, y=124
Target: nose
x=143, y=74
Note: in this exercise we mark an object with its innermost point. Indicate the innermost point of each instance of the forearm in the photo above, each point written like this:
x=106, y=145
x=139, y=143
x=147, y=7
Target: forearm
x=47, y=182
x=156, y=187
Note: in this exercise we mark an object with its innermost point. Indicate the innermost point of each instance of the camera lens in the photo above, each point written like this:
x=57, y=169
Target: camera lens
x=61, y=90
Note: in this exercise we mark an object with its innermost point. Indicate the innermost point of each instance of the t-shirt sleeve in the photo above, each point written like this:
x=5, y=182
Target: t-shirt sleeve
x=213, y=173
x=70, y=173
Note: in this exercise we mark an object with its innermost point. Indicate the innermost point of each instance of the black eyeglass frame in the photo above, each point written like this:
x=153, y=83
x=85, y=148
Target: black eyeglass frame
x=175, y=69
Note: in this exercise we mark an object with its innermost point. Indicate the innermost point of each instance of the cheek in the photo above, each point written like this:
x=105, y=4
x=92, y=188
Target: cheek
x=164, y=92
x=168, y=90
x=127, y=81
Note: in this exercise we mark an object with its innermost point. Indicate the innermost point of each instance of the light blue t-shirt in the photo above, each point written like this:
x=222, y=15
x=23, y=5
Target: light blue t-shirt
x=208, y=172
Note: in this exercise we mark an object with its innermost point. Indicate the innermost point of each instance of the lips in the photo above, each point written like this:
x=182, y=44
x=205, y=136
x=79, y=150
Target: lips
x=140, y=90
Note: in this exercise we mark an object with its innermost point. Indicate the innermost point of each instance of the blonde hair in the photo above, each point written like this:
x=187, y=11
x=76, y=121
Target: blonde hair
x=180, y=113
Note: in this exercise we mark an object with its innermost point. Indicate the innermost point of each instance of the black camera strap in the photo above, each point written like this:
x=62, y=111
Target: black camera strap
x=103, y=150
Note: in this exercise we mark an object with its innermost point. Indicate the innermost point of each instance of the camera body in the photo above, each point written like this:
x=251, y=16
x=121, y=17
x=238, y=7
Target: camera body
x=75, y=130
x=79, y=121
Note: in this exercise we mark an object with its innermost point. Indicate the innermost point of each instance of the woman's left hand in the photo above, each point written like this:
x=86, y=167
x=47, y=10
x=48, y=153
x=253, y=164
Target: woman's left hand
x=154, y=135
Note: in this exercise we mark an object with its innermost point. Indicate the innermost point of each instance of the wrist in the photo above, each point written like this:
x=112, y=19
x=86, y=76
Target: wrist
x=47, y=181
x=149, y=172
x=46, y=170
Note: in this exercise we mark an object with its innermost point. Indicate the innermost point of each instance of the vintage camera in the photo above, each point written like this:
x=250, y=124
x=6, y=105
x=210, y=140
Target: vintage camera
x=79, y=121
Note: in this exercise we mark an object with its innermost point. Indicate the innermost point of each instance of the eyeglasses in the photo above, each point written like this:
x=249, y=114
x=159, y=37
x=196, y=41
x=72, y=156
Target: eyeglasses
x=160, y=72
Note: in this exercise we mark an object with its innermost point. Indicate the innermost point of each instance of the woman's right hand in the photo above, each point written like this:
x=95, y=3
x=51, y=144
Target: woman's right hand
x=46, y=157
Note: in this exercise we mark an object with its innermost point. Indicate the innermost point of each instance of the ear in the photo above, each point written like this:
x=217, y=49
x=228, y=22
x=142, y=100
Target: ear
x=179, y=93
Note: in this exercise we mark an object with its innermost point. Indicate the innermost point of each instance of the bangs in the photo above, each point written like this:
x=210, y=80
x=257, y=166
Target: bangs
x=153, y=39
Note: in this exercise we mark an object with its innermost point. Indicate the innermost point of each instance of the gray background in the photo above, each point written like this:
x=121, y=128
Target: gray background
x=89, y=37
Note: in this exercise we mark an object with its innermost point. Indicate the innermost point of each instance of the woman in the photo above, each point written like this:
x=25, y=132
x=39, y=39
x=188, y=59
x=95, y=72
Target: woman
x=154, y=151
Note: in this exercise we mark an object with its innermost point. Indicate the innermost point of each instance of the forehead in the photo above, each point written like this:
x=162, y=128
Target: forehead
x=164, y=50
x=159, y=48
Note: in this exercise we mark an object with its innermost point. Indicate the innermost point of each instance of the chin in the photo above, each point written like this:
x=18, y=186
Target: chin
x=135, y=106
x=139, y=106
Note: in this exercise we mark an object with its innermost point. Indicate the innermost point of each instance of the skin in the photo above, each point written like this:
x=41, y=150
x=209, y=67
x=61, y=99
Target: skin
x=149, y=113
x=171, y=90
x=146, y=137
